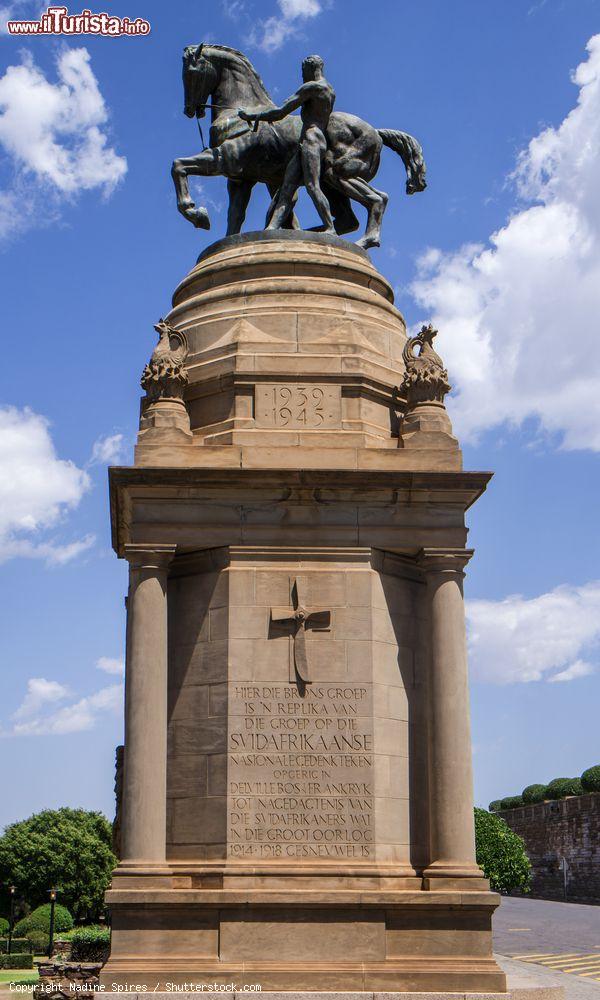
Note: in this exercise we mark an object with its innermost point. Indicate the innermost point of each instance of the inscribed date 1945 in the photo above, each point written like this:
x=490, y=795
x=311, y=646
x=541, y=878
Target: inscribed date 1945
x=298, y=406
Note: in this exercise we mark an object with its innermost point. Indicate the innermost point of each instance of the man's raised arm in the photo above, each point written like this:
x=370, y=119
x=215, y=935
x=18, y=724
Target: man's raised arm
x=303, y=94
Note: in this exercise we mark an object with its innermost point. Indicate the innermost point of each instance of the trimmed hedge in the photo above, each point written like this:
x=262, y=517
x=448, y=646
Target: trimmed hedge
x=559, y=788
x=590, y=779
x=16, y=960
x=90, y=944
x=501, y=853
x=39, y=920
x=39, y=942
x=19, y=944
x=534, y=793
x=511, y=802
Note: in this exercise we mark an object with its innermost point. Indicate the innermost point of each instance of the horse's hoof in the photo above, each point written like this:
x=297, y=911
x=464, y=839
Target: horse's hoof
x=367, y=242
x=199, y=218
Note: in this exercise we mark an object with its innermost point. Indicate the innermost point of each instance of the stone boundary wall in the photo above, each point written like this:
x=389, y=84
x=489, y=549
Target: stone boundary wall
x=570, y=829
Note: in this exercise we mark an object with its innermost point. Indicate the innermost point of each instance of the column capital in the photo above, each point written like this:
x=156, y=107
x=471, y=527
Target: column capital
x=438, y=560
x=150, y=556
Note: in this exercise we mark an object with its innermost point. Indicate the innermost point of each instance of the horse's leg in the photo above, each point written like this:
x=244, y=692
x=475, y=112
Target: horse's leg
x=292, y=221
x=239, y=196
x=344, y=218
x=284, y=199
x=374, y=201
x=205, y=164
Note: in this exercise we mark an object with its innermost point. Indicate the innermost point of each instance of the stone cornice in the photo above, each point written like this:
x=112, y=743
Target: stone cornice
x=373, y=489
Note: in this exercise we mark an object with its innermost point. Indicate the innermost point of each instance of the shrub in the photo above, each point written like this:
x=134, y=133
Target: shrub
x=560, y=787
x=511, y=802
x=39, y=942
x=590, y=779
x=90, y=944
x=17, y=945
x=534, y=793
x=4, y=926
x=501, y=853
x=16, y=960
x=39, y=920
x=495, y=805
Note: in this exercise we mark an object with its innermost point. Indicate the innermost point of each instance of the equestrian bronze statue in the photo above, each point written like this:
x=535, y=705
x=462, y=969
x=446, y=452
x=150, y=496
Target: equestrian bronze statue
x=332, y=153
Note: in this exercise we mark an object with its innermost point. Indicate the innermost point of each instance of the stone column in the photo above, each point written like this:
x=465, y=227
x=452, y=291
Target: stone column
x=145, y=772
x=452, y=837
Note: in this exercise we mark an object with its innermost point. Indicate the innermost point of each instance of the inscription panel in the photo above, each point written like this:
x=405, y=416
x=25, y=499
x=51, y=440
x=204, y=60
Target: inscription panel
x=300, y=771
x=298, y=407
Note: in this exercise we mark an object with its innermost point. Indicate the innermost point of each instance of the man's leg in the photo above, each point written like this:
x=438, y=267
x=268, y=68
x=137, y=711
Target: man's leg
x=284, y=205
x=312, y=151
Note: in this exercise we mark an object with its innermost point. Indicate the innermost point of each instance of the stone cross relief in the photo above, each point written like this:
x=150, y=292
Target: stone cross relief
x=300, y=619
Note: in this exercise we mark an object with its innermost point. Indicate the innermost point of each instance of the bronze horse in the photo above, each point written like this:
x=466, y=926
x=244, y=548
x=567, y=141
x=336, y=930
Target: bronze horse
x=248, y=156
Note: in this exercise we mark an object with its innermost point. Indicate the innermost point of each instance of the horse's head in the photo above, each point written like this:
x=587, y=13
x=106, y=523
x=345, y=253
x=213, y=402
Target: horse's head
x=199, y=80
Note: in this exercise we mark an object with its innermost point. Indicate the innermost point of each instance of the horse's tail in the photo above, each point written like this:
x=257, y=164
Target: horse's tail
x=411, y=153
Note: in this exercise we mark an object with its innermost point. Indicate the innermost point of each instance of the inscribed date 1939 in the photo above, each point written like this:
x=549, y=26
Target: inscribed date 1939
x=298, y=406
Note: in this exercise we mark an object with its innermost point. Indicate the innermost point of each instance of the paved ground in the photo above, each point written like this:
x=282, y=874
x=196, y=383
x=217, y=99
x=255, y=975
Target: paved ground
x=558, y=942
x=522, y=974
x=539, y=926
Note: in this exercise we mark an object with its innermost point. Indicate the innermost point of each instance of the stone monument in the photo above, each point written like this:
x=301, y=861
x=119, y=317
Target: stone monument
x=297, y=792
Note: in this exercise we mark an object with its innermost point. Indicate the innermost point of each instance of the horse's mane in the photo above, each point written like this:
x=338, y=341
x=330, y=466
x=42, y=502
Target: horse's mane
x=242, y=58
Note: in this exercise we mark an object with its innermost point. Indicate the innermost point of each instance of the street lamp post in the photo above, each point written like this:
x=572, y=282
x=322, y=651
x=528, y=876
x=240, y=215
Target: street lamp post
x=52, y=893
x=12, y=889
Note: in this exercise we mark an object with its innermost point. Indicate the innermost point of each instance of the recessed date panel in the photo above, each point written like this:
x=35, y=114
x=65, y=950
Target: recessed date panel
x=296, y=406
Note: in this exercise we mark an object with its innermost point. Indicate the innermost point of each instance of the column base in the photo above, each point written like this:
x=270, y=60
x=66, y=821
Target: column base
x=447, y=875
x=311, y=939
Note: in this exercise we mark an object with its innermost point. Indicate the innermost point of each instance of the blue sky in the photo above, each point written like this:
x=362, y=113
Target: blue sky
x=502, y=252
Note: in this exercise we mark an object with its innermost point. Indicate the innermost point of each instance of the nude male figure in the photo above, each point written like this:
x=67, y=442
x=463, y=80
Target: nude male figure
x=316, y=98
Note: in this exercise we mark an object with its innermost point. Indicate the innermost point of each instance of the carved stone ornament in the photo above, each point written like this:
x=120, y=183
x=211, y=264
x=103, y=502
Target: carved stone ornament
x=164, y=377
x=425, y=379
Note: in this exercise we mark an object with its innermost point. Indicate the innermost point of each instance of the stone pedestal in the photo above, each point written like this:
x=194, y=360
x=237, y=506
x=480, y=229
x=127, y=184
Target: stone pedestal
x=303, y=571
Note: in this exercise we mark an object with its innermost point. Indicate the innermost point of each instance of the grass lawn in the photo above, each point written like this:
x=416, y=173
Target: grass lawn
x=18, y=976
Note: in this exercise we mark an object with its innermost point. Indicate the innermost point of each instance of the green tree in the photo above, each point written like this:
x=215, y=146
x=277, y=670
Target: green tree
x=534, y=793
x=511, y=802
x=69, y=849
x=590, y=779
x=501, y=853
x=559, y=788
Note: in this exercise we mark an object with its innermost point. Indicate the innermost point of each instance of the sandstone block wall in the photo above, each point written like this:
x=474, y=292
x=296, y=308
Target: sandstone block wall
x=569, y=829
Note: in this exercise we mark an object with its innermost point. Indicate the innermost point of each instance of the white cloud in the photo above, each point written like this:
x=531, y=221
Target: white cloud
x=19, y=10
x=52, y=553
x=39, y=693
x=110, y=665
x=233, y=9
x=299, y=8
x=518, y=318
x=40, y=715
x=107, y=450
x=578, y=669
x=54, y=131
x=274, y=31
x=36, y=489
x=530, y=639
x=79, y=717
